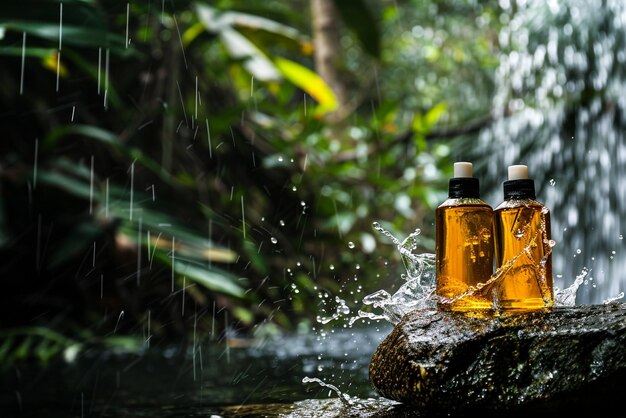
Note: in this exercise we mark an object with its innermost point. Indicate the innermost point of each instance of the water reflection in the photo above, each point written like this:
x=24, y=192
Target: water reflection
x=168, y=381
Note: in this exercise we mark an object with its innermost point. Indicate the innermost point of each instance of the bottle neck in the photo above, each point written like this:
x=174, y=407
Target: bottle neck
x=461, y=187
x=519, y=189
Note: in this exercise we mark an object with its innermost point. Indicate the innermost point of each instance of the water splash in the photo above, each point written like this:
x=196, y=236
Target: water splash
x=418, y=290
x=344, y=397
x=567, y=297
x=619, y=296
x=342, y=309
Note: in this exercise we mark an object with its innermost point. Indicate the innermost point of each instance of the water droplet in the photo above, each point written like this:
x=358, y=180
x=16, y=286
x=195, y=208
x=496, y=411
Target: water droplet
x=552, y=182
x=358, y=266
x=294, y=188
x=621, y=236
x=280, y=158
x=613, y=252
x=332, y=267
x=263, y=219
x=351, y=245
x=519, y=233
x=274, y=240
x=552, y=243
x=282, y=223
x=578, y=251
x=302, y=203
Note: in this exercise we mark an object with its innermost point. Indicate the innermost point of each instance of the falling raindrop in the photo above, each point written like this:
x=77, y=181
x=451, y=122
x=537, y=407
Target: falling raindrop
x=274, y=240
x=23, y=59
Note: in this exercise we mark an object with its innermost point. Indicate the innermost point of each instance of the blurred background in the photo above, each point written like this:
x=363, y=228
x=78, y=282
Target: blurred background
x=179, y=168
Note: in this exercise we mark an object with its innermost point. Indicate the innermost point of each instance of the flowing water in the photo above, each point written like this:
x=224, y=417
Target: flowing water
x=560, y=108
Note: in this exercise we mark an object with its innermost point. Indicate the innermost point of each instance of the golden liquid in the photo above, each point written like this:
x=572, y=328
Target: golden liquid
x=522, y=237
x=464, y=253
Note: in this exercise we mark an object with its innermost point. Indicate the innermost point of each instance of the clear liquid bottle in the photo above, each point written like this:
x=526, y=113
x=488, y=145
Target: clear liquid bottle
x=464, y=244
x=523, y=247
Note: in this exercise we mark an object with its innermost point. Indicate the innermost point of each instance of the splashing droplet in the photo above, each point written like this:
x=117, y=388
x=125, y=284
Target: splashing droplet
x=552, y=182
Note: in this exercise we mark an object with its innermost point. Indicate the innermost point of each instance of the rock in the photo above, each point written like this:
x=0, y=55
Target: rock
x=569, y=359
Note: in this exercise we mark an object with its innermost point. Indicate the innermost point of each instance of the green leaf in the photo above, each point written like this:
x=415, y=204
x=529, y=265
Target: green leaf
x=109, y=138
x=308, y=81
x=434, y=114
x=74, y=35
x=423, y=124
x=237, y=45
x=360, y=20
x=5, y=349
x=28, y=52
x=163, y=228
x=69, y=184
x=259, y=262
x=214, y=280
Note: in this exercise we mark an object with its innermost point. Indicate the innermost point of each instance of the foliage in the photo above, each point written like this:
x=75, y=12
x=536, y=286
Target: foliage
x=177, y=163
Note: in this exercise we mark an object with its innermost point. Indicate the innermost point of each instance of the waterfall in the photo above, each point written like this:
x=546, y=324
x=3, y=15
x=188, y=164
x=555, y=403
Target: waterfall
x=559, y=107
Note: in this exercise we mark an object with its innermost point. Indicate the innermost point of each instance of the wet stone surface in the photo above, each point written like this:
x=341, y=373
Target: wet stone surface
x=570, y=359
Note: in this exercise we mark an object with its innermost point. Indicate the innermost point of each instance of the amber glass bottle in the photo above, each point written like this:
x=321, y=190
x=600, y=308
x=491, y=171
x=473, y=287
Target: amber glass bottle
x=523, y=247
x=464, y=244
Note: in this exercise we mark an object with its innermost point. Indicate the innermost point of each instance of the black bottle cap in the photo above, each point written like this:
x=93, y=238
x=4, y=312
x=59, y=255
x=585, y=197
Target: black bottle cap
x=460, y=187
x=519, y=189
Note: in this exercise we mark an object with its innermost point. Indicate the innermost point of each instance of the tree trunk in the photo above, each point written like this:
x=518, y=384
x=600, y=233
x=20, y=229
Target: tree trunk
x=327, y=48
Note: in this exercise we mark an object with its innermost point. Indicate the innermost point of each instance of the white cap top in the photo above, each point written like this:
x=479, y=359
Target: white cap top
x=462, y=169
x=518, y=172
